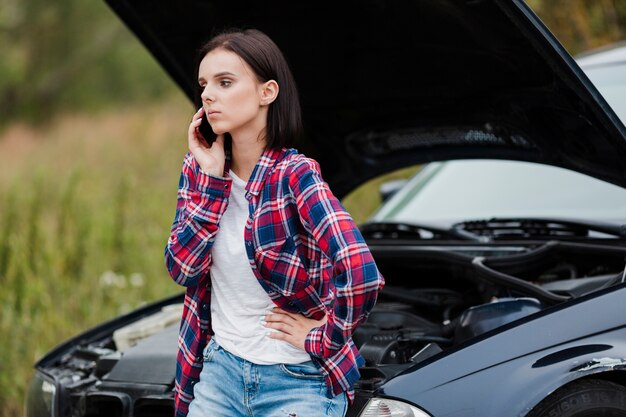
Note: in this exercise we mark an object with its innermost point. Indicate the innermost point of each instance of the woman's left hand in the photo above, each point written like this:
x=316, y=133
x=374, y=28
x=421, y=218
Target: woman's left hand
x=292, y=327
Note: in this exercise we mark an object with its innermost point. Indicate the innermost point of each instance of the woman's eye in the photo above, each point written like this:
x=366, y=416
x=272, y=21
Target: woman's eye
x=225, y=83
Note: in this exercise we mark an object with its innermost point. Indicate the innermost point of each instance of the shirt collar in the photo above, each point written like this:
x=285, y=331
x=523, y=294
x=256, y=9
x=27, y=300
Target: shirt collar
x=268, y=159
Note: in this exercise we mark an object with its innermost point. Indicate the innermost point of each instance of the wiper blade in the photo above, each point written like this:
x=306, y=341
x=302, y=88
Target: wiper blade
x=395, y=230
x=515, y=228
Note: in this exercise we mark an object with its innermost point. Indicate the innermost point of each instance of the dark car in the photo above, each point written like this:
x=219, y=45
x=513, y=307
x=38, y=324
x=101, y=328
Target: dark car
x=504, y=256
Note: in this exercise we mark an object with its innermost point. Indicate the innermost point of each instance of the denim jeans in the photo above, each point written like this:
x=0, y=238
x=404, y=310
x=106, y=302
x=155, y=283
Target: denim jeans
x=230, y=386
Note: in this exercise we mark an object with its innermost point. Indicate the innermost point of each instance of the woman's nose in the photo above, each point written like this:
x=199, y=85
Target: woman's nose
x=206, y=94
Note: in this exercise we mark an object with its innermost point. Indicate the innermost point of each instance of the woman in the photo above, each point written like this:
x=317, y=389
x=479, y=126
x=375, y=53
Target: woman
x=277, y=274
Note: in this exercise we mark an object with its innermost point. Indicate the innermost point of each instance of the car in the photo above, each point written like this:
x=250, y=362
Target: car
x=504, y=256
x=605, y=67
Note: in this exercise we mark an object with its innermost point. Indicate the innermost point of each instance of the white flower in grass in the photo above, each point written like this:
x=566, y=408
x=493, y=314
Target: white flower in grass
x=111, y=279
x=136, y=279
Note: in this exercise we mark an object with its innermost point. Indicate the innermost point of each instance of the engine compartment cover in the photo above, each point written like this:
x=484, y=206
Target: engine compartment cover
x=151, y=361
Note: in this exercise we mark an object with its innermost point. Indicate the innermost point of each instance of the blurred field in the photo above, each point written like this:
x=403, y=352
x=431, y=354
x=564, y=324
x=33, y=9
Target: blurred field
x=86, y=207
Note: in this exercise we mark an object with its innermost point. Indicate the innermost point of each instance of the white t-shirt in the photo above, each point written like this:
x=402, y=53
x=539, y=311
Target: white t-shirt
x=238, y=302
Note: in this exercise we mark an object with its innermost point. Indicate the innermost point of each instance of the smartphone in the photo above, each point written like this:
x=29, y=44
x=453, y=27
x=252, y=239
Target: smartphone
x=206, y=131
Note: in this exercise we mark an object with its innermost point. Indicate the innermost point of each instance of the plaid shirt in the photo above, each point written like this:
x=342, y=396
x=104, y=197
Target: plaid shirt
x=303, y=247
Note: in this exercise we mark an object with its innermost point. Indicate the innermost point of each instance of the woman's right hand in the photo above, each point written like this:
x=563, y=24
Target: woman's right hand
x=211, y=158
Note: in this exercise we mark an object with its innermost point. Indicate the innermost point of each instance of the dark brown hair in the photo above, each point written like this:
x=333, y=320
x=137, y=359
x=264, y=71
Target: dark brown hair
x=284, y=117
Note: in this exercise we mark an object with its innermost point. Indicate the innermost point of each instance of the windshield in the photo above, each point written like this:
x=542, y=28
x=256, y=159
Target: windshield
x=447, y=192
x=610, y=80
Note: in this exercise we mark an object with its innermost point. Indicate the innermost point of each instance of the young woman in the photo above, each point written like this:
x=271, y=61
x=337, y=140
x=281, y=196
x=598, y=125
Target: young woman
x=277, y=274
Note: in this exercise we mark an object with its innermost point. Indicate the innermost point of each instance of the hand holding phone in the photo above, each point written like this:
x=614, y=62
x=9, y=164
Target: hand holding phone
x=207, y=148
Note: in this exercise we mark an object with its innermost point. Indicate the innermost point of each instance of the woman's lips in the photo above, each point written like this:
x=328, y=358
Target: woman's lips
x=212, y=113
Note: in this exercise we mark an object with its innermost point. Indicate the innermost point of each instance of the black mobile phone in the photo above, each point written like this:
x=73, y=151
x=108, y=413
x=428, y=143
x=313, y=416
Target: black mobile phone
x=206, y=131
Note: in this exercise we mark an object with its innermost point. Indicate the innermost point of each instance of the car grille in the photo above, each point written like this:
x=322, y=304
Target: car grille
x=120, y=405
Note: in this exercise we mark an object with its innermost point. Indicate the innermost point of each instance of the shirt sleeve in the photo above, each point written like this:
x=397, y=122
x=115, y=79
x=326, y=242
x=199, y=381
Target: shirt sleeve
x=356, y=278
x=201, y=202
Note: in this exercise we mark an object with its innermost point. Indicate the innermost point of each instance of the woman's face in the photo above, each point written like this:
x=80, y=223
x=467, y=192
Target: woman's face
x=232, y=96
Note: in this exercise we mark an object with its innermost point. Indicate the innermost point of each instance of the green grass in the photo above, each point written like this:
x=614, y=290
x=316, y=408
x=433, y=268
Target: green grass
x=86, y=206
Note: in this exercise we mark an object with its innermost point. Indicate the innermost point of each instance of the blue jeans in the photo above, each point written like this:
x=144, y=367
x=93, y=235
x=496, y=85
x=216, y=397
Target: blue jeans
x=230, y=386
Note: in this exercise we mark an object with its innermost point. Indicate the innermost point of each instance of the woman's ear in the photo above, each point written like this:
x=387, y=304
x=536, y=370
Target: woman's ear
x=269, y=92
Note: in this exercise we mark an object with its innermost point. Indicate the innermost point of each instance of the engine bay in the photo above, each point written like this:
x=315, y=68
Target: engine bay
x=467, y=292
x=435, y=298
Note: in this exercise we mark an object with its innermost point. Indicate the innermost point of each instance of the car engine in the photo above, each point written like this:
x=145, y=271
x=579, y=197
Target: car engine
x=435, y=298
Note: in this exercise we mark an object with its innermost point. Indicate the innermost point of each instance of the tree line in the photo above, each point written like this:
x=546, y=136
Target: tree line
x=70, y=54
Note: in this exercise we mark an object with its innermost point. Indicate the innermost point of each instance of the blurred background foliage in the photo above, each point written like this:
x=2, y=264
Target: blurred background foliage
x=70, y=54
x=92, y=135
x=581, y=25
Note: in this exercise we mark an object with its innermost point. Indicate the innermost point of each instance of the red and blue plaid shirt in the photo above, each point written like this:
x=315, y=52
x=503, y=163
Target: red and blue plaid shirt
x=303, y=247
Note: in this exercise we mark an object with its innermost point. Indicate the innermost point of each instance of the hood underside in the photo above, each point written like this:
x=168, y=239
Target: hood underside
x=386, y=84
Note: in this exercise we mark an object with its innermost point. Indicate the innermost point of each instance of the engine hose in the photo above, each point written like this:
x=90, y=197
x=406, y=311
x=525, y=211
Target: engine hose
x=514, y=283
x=418, y=337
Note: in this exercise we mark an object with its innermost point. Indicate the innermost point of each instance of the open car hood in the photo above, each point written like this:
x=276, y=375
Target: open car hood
x=386, y=84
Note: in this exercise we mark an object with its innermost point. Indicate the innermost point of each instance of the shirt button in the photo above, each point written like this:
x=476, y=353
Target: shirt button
x=248, y=243
x=226, y=185
x=205, y=307
x=198, y=358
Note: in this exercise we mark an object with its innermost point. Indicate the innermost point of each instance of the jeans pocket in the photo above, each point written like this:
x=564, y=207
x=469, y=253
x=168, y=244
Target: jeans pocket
x=209, y=350
x=338, y=406
x=304, y=370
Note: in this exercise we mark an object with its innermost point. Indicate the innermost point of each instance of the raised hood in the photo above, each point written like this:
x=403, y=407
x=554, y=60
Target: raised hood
x=385, y=84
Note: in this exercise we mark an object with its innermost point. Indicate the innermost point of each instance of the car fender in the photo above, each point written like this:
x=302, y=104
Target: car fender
x=508, y=371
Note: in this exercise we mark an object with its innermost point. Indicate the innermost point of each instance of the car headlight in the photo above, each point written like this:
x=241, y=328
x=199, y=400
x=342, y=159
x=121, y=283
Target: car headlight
x=383, y=407
x=41, y=397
